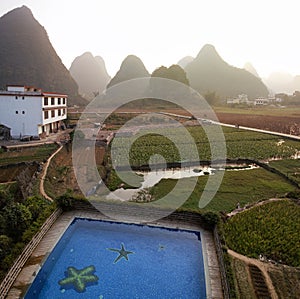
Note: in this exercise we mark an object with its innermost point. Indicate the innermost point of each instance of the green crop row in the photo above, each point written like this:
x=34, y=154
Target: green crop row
x=271, y=229
x=173, y=145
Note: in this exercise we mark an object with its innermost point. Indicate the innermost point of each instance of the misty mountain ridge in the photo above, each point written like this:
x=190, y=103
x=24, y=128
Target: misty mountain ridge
x=183, y=62
x=250, y=68
x=90, y=74
x=282, y=82
x=208, y=72
x=132, y=67
x=28, y=58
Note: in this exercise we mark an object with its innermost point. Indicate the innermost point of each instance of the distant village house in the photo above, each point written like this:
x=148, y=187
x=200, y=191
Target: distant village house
x=241, y=99
x=260, y=101
x=29, y=111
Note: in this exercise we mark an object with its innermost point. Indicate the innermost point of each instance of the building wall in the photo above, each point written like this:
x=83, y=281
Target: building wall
x=29, y=111
x=21, y=113
x=54, y=111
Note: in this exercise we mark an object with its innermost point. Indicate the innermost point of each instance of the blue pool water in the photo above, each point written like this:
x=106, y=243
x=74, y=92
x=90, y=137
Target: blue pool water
x=88, y=262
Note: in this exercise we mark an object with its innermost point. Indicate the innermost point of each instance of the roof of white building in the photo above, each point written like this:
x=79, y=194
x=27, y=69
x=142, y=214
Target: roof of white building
x=22, y=90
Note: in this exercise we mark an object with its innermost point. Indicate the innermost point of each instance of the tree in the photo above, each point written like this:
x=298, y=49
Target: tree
x=211, y=97
x=5, y=198
x=65, y=201
x=36, y=206
x=174, y=72
x=17, y=218
x=5, y=246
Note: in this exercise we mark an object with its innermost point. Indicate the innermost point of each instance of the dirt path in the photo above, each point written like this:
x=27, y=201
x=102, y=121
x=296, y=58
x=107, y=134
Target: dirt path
x=261, y=265
x=6, y=183
x=241, y=210
x=44, y=173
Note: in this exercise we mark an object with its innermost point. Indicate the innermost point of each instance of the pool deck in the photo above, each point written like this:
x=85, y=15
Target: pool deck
x=33, y=265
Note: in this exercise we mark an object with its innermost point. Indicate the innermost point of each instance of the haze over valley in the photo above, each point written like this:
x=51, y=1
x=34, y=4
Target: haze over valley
x=207, y=72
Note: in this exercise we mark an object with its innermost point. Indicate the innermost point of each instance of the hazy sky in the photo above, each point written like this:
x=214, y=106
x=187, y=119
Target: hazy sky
x=161, y=32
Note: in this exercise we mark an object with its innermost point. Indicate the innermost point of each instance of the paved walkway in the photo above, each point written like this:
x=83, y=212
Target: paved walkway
x=52, y=138
x=33, y=265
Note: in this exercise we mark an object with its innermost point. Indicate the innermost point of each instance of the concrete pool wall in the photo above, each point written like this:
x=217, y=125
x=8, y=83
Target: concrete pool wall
x=46, y=245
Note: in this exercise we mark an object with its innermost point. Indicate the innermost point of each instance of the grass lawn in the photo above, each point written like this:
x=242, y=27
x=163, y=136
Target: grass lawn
x=246, y=186
x=290, y=167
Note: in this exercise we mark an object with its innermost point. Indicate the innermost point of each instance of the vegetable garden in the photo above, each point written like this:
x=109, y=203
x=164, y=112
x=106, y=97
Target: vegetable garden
x=271, y=229
x=239, y=143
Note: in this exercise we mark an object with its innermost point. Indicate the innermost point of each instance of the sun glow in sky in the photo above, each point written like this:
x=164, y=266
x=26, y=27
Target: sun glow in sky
x=161, y=32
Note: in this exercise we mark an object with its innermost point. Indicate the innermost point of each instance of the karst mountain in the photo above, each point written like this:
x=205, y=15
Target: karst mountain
x=90, y=74
x=208, y=72
x=132, y=67
x=28, y=58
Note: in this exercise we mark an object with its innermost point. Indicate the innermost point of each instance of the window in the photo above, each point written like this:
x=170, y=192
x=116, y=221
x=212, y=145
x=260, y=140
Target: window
x=23, y=112
x=45, y=101
x=64, y=111
x=23, y=98
x=64, y=101
x=59, y=112
x=16, y=97
x=46, y=114
x=58, y=101
x=52, y=101
x=17, y=112
x=52, y=113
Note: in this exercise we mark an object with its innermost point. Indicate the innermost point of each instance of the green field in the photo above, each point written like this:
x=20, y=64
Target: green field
x=289, y=167
x=244, y=187
x=271, y=229
x=239, y=144
x=38, y=153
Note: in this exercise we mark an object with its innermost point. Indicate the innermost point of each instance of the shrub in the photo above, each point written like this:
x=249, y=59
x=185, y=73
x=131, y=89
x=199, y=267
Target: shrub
x=65, y=201
x=210, y=219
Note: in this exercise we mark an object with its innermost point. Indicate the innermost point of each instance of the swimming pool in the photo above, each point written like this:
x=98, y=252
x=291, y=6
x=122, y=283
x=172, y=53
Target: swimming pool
x=102, y=259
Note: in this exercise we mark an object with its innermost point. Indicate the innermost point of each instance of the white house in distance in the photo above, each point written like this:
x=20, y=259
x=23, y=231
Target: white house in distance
x=29, y=111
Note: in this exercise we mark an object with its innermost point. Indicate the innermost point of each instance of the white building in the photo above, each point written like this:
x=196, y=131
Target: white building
x=241, y=99
x=261, y=102
x=28, y=111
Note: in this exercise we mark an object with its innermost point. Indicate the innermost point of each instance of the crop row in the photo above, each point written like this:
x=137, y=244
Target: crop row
x=271, y=230
x=173, y=145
